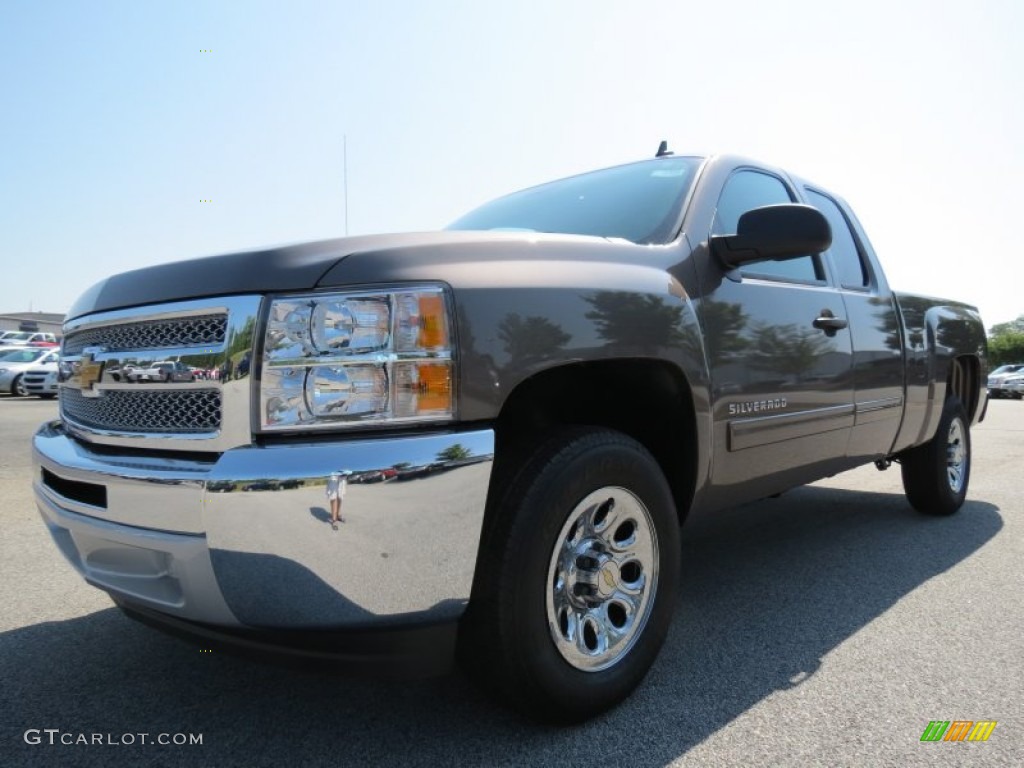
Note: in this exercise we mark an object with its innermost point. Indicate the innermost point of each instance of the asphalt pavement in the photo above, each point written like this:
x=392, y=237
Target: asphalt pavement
x=827, y=627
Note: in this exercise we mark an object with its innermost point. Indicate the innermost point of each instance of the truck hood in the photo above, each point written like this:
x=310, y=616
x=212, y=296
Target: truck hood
x=311, y=265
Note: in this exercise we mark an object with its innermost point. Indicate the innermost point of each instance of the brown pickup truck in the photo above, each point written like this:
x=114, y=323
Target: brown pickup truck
x=481, y=443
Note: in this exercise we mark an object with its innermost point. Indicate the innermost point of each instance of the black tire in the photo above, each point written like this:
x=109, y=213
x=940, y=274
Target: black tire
x=18, y=386
x=572, y=603
x=936, y=474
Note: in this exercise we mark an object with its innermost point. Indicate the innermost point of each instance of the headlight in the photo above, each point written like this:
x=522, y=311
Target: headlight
x=362, y=357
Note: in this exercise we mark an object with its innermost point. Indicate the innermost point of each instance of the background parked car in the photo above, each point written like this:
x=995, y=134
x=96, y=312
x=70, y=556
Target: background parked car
x=26, y=337
x=41, y=381
x=1014, y=385
x=163, y=370
x=16, y=362
x=999, y=375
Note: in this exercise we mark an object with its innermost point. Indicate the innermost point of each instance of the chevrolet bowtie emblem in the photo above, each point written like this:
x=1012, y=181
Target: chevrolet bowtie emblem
x=608, y=578
x=87, y=373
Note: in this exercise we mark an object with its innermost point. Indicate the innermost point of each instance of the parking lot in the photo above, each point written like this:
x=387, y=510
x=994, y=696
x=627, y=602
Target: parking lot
x=824, y=627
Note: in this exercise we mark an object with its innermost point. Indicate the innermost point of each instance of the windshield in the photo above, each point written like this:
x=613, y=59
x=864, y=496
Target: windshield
x=639, y=202
x=17, y=336
x=26, y=355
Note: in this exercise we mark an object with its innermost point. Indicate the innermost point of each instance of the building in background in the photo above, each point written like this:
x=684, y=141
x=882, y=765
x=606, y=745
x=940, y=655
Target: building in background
x=46, y=322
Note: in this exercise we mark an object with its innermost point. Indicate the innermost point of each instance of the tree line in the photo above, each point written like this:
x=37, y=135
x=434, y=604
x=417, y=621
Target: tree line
x=1006, y=342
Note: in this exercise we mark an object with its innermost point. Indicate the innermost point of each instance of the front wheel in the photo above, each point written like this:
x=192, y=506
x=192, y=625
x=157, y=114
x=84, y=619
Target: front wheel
x=18, y=386
x=936, y=474
x=578, y=578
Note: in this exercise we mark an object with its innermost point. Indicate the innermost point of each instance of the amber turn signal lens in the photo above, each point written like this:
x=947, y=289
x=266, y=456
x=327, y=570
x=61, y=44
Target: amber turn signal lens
x=435, y=387
x=433, y=333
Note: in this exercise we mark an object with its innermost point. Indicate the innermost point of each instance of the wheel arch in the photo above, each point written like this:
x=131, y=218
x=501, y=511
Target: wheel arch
x=964, y=381
x=648, y=399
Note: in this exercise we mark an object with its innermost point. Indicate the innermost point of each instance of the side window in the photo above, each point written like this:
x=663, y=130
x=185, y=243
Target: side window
x=845, y=254
x=744, y=191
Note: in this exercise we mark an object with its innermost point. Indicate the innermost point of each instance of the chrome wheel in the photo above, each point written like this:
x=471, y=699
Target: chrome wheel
x=602, y=577
x=956, y=456
x=18, y=388
x=578, y=587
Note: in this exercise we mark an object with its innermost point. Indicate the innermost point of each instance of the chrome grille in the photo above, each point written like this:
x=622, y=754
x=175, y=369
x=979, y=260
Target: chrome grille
x=150, y=411
x=162, y=376
x=152, y=334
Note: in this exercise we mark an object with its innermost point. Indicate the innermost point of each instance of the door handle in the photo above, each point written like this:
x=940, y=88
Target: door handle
x=829, y=323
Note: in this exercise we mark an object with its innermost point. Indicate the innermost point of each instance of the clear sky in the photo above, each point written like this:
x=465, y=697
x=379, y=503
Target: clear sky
x=118, y=118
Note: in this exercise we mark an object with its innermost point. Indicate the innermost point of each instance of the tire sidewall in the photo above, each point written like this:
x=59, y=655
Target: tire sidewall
x=925, y=471
x=545, y=507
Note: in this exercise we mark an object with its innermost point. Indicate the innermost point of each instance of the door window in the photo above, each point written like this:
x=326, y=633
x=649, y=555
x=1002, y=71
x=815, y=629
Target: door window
x=744, y=191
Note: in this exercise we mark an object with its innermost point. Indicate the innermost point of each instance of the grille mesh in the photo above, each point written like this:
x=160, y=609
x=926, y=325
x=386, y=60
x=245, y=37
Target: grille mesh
x=175, y=411
x=152, y=334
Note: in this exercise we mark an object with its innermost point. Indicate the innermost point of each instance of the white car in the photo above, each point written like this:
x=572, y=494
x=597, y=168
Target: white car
x=1014, y=385
x=14, y=364
x=41, y=381
x=999, y=375
x=22, y=338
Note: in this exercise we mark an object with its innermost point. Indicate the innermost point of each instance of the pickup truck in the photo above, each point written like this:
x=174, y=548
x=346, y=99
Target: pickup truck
x=162, y=370
x=27, y=338
x=555, y=383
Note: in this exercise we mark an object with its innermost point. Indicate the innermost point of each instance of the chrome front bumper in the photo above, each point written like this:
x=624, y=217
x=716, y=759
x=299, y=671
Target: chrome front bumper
x=243, y=539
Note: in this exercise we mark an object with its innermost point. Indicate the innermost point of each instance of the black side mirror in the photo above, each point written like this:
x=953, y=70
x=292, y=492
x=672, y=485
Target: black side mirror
x=776, y=232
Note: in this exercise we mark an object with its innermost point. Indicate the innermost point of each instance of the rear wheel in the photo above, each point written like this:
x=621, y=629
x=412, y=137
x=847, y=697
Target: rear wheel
x=936, y=474
x=578, y=578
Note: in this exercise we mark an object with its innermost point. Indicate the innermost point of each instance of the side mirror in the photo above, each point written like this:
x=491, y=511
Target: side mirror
x=776, y=232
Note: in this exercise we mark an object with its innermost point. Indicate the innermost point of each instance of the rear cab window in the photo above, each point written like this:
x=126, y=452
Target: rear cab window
x=852, y=272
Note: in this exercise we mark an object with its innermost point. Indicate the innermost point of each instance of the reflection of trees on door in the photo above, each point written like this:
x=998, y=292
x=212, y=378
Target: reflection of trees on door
x=789, y=350
x=723, y=323
x=913, y=318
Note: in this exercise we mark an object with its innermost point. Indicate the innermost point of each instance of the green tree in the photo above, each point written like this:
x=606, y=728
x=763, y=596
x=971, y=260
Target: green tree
x=1006, y=342
x=454, y=453
x=1006, y=347
x=1013, y=326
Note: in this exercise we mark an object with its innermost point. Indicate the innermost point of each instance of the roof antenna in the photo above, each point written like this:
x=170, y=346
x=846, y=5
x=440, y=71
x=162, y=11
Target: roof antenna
x=663, y=149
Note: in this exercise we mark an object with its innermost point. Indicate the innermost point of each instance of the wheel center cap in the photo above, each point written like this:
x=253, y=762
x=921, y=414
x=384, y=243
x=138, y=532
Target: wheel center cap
x=607, y=580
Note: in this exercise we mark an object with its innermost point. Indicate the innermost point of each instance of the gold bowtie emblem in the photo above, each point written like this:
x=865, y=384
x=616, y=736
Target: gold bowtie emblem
x=88, y=372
